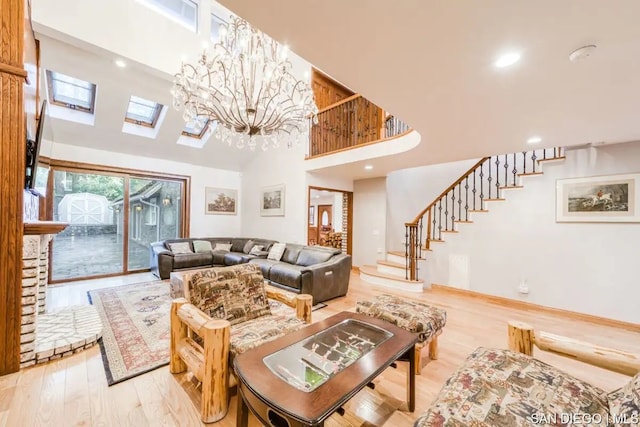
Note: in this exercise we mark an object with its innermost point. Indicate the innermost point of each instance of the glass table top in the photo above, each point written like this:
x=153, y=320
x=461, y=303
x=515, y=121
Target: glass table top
x=309, y=363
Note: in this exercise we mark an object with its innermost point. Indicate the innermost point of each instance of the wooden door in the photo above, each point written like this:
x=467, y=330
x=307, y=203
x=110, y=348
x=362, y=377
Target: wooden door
x=325, y=223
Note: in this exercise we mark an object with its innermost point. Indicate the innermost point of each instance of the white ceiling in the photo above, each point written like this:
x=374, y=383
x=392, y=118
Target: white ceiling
x=430, y=62
x=427, y=61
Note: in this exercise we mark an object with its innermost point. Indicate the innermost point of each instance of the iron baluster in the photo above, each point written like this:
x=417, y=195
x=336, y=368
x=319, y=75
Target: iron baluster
x=515, y=170
x=460, y=200
x=481, y=186
x=466, y=197
x=446, y=213
x=533, y=160
x=489, y=179
x=524, y=162
x=506, y=171
x=433, y=220
x=440, y=219
x=419, y=240
x=474, y=189
x=497, y=162
x=406, y=252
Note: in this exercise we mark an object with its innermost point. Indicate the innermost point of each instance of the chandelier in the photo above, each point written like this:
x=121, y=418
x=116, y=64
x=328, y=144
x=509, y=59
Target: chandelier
x=244, y=84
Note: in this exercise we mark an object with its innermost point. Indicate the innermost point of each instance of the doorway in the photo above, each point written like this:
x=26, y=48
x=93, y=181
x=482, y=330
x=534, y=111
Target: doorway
x=330, y=213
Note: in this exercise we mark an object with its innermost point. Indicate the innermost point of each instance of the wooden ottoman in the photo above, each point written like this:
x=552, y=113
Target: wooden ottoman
x=423, y=320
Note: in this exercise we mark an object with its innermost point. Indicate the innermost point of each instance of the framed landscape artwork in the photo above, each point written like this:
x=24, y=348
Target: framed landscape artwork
x=220, y=201
x=612, y=198
x=272, y=201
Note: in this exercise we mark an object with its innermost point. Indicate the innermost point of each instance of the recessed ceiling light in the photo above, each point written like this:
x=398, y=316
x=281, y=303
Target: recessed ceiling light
x=507, y=59
x=120, y=63
x=534, y=140
x=368, y=167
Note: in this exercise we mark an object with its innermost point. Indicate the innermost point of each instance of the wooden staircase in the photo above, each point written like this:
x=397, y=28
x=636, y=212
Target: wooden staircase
x=484, y=183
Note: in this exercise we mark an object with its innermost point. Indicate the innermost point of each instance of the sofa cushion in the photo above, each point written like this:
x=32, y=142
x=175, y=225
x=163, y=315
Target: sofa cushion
x=256, y=250
x=416, y=317
x=233, y=258
x=315, y=255
x=276, y=251
x=202, y=246
x=218, y=257
x=504, y=388
x=226, y=247
x=191, y=260
x=291, y=253
x=252, y=333
x=286, y=274
x=237, y=245
x=247, y=246
x=180, y=248
x=624, y=403
x=265, y=265
x=242, y=289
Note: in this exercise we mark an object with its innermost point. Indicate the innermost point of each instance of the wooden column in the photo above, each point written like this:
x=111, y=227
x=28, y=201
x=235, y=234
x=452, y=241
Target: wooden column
x=12, y=159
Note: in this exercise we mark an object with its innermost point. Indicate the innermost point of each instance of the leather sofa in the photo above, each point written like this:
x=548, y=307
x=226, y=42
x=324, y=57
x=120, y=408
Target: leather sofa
x=315, y=270
x=319, y=271
x=164, y=261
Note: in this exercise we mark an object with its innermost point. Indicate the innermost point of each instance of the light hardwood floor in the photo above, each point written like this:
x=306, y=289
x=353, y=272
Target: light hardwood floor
x=74, y=392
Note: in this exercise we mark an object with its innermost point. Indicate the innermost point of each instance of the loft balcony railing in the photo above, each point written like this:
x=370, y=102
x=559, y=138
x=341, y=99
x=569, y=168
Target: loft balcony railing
x=484, y=182
x=350, y=123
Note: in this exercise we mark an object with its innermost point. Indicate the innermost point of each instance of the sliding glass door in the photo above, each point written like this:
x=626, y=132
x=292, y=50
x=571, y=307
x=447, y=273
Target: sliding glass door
x=113, y=218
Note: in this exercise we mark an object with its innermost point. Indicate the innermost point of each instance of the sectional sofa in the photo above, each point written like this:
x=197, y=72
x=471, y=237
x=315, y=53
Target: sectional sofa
x=315, y=270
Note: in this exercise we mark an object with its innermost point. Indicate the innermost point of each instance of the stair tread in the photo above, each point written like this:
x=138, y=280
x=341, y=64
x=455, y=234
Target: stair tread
x=496, y=199
x=530, y=173
x=437, y=240
x=391, y=263
x=552, y=159
x=511, y=186
x=371, y=270
x=450, y=231
x=402, y=254
x=463, y=221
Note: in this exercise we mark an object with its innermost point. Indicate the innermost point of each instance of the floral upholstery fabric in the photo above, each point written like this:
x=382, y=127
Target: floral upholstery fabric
x=234, y=293
x=502, y=388
x=252, y=333
x=416, y=317
x=624, y=403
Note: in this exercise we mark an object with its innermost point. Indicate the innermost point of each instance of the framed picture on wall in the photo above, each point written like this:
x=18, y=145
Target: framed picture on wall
x=612, y=198
x=312, y=215
x=272, y=201
x=220, y=201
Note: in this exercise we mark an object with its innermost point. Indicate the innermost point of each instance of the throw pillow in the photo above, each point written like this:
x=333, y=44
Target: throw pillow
x=624, y=402
x=247, y=246
x=256, y=249
x=202, y=246
x=222, y=247
x=180, y=248
x=276, y=251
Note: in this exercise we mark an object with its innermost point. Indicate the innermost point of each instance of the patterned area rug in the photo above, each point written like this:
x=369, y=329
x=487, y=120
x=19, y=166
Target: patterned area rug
x=135, y=337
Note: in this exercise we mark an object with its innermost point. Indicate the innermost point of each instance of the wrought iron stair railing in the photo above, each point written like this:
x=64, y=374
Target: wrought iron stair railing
x=483, y=182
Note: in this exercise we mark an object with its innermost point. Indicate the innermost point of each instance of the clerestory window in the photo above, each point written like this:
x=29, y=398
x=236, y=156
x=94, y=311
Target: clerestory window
x=182, y=11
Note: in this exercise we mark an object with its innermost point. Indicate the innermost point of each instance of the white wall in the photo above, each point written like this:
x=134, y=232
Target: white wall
x=411, y=190
x=201, y=177
x=281, y=166
x=337, y=212
x=583, y=267
x=369, y=221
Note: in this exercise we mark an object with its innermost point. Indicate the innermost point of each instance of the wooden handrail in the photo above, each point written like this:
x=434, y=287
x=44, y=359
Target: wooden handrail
x=444, y=193
x=337, y=104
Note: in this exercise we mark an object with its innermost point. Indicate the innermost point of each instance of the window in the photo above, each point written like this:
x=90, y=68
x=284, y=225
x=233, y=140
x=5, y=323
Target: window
x=196, y=128
x=216, y=21
x=182, y=11
x=70, y=92
x=142, y=112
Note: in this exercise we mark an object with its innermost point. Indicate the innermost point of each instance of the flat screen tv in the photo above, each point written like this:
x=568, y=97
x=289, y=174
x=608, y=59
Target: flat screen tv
x=35, y=175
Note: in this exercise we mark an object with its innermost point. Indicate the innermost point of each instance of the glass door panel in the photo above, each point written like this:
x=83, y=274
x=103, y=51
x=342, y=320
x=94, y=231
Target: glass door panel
x=154, y=214
x=92, y=244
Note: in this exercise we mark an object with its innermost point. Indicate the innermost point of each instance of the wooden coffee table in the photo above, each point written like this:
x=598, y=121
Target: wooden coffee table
x=304, y=377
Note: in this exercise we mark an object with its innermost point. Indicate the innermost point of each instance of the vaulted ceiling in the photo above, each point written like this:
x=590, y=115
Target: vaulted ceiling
x=430, y=62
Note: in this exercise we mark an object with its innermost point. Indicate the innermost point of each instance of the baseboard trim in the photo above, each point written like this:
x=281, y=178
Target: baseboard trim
x=492, y=299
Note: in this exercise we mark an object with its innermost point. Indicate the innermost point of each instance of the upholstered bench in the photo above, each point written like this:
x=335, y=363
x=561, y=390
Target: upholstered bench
x=423, y=320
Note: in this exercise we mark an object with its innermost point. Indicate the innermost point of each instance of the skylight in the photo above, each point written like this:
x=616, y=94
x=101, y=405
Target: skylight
x=142, y=112
x=182, y=11
x=196, y=128
x=215, y=26
x=70, y=92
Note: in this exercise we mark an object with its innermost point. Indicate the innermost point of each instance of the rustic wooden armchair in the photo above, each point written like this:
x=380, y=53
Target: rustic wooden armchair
x=204, y=344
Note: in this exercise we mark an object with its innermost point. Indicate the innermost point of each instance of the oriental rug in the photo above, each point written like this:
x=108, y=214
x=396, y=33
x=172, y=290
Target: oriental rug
x=135, y=319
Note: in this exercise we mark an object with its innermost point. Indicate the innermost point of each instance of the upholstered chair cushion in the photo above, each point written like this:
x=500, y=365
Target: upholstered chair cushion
x=202, y=246
x=505, y=388
x=180, y=248
x=624, y=403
